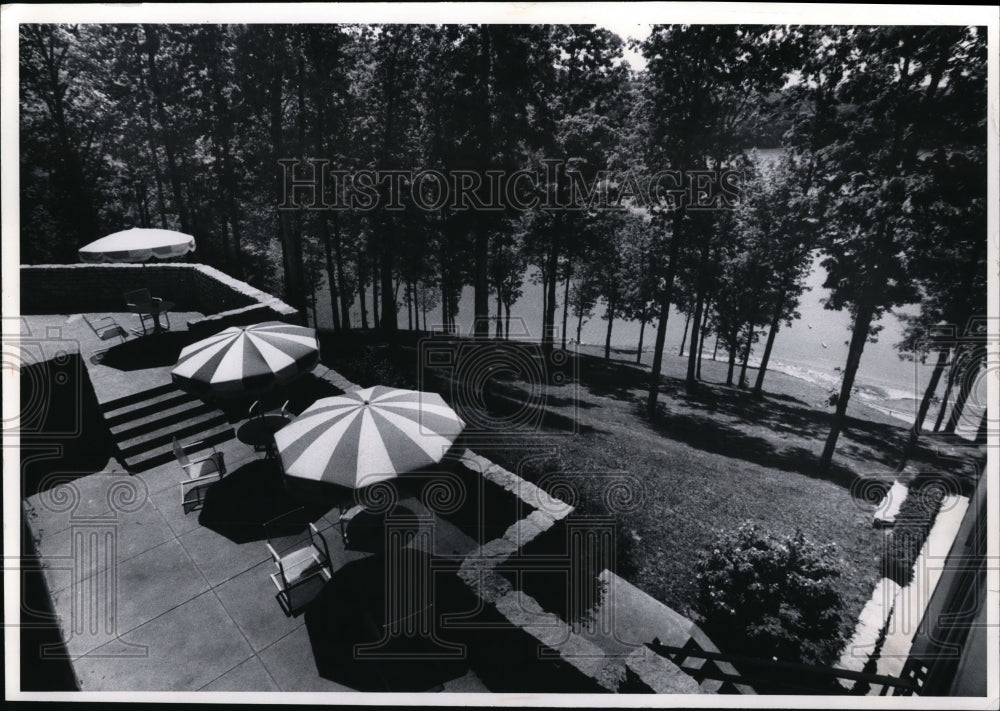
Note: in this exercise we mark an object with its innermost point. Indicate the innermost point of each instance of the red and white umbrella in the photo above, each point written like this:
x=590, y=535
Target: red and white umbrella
x=139, y=244
x=363, y=437
x=245, y=360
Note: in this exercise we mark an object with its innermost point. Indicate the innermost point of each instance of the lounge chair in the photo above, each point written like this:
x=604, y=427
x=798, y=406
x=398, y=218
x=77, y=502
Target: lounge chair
x=202, y=473
x=105, y=328
x=146, y=306
x=302, y=560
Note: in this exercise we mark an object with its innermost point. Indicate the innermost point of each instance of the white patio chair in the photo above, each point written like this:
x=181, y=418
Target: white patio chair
x=302, y=561
x=202, y=473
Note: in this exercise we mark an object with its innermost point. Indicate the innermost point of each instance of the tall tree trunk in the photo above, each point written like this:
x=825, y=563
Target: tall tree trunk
x=610, y=314
x=415, y=301
x=665, y=299
x=291, y=248
x=444, y=301
x=361, y=292
x=859, y=335
x=549, y=327
x=389, y=318
x=687, y=322
x=545, y=295
x=715, y=351
x=320, y=128
x=409, y=306
x=969, y=367
x=376, y=278
x=733, y=347
x=569, y=273
x=691, y=381
x=345, y=300
x=745, y=360
x=701, y=340
x=498, y=331
x=482, y=289
x=983, y=430
x=152, y=47
x=324, y=234
x=579, y=326
x=779, y=306
x=154, y=156
x=227, y=179
x=483, y=126
x=506, y=328
x=947, y=392
x=642, y=333
x=925, y=403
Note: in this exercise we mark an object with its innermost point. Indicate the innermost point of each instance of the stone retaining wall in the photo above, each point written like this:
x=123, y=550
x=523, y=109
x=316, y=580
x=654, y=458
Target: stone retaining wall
x=95, y=288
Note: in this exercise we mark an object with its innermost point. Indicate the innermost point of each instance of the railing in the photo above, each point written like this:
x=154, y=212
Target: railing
x=777, y=677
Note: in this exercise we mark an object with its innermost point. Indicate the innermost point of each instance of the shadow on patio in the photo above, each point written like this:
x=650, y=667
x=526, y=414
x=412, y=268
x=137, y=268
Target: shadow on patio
x=377, y=625
x=239, y=505
x=158, y=350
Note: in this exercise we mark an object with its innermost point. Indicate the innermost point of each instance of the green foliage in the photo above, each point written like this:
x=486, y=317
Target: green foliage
x=913, y=522
x=765, y=596
x=373, y=365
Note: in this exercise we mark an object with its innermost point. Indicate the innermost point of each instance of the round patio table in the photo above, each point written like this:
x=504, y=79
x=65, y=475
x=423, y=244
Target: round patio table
x=259, y=432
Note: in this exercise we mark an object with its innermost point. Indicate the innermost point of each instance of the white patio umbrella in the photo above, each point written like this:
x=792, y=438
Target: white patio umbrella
x=367, y=436
x=138, y=244
x=247, y=360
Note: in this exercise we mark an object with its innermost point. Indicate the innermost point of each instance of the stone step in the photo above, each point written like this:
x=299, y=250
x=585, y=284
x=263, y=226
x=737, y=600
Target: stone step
x=147, y=459
x=161, y=420
x=134, y=398
x=161, y=436
x=142, y=409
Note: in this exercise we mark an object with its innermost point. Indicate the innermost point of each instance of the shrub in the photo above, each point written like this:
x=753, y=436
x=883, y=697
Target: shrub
x=913, y=522
x=372, y=365
x=772, y=597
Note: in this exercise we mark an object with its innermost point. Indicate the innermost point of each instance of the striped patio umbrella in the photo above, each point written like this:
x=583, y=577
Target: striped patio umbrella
x=138, y=244
x=363, y=437
x=247, y=360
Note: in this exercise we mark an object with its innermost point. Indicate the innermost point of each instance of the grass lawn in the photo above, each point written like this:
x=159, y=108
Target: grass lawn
x=707, y=462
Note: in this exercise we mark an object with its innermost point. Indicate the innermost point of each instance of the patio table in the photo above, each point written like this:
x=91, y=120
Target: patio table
x=259, y=432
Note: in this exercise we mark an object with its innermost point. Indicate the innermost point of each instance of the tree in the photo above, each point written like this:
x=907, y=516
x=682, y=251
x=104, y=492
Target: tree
x=704, y=84
x=639, y=269
x=885, y=83
x=60, y=148
x=778, y=217
x=581, y=121
x=950, y=207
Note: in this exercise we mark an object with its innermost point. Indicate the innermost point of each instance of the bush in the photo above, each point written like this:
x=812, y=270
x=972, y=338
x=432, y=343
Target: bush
x=763, y=596
x=372, y=365
x=913, y=523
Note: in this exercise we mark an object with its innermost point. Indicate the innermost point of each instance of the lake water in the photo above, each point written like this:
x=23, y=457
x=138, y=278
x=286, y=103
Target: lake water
x=814, y=347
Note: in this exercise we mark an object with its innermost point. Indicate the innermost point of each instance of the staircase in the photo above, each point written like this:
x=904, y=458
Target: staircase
x=144, y=424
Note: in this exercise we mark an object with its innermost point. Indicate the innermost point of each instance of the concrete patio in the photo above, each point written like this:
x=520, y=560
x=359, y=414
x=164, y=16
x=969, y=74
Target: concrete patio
x=162, y=578
x=136, y=582
x=148, y=597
